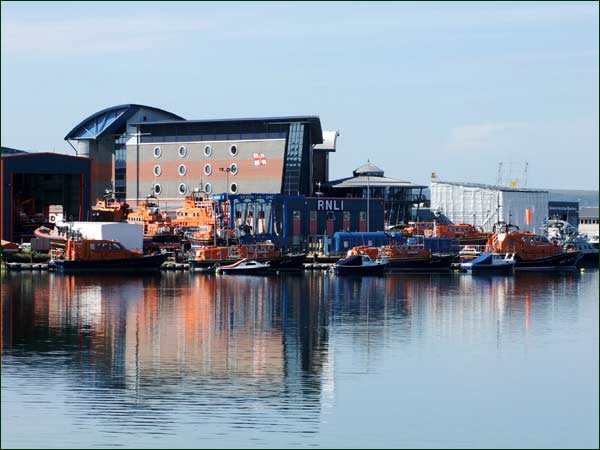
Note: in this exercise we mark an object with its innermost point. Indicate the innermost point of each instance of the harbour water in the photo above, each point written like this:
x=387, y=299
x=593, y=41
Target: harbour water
x=299, y=360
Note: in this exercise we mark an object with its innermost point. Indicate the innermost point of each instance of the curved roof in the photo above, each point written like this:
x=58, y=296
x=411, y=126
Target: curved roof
x=109, y=121
x=372, y=181
x=329, y=141
x=368, y=169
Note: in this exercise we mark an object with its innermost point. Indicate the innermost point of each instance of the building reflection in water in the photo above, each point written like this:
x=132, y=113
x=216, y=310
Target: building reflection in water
x=264, y=340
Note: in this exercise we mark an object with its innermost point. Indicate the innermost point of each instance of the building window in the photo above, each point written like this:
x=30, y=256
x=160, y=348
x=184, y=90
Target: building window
x=233, y=188
x=182, y=188
x=208, y=151
x=233, y=150
x=233, y=169
x=157, y=171
x=208, y=188
x=157, y=189
x=182, y=151
x=157, y=152
x=207, y=169
x=293, y=159
x=182, y=170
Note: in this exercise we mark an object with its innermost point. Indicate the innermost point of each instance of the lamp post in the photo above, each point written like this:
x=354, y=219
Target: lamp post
x=226, y=170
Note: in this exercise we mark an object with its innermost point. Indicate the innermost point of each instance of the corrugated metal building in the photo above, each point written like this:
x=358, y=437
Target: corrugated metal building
x=484, y=205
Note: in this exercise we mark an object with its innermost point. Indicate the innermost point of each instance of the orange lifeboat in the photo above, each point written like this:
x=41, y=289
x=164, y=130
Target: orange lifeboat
x=109, y=209
x=100, y=254
x=531, y=250
x=199, y=216
x=467, y=234
x=159, y=231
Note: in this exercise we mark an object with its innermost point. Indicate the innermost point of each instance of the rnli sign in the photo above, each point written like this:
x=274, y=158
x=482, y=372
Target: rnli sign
x=330, y=205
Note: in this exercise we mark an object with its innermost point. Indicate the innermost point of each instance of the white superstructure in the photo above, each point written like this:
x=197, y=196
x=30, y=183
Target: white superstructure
x=484, y=205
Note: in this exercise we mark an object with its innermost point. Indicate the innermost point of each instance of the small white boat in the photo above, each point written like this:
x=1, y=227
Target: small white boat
x=359, y=265
x=490, y=262
x=244, y=266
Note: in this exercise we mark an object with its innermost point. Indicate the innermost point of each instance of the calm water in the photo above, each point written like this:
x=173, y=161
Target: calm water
x=182, y=360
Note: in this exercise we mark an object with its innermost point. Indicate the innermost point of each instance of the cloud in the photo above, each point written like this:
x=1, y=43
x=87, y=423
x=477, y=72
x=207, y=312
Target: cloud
x=170, y=29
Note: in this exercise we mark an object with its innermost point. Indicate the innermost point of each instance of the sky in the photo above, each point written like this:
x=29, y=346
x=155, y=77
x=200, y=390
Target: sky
x=416, y=88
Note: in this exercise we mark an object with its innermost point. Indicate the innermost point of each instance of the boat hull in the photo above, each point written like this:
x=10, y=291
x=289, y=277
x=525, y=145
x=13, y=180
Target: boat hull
x=435, y=262
x=285, y=262
x=359, y=270
x=589, y=260
x=566, y=260
x=149, y=262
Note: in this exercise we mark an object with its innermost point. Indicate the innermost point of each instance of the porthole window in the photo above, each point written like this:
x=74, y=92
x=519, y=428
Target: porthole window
x=157, y=152
x=233, y=150
x=207, y=169
x=233, y=188
x=208, y=151
x=182, y=188
x=182, y=151
x=157, y=189
x=182, y=170
x=233, y=169
x=157, y=171
x=208, y=188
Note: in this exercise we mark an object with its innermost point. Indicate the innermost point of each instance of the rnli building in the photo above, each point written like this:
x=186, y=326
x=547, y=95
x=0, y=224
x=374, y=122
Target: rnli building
x=139, y=150
x=235, y=156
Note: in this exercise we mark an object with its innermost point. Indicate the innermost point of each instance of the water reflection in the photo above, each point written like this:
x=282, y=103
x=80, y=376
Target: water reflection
x=159, y=352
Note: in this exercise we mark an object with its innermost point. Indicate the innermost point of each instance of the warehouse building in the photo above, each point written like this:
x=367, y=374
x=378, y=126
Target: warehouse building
x=33, y=182
x=485, y=205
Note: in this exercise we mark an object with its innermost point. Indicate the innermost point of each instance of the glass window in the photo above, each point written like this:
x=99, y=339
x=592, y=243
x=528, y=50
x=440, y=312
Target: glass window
x=233, y=188
x=157, y=152
x=157, y=189
x=182, y=151
x=157, y=171
x=233, y=168
x=207, y=169
x=182, y=188
x=207, y=151
x=233, y=150
x=182, y=170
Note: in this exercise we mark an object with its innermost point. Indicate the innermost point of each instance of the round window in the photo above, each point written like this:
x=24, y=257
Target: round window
x=233, y=150
x=157, y=171
x=182, y=188
x=157, y=152
x=208, y=188
x=233, y=188
x=207, y=150
x=207, y=169
x=182, y=170
x=182, y=151
x=157, y=189
x=233, y=169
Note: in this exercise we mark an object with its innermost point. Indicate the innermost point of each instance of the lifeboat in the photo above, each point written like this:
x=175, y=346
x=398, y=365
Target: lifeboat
x=532, y=251
x=83, y=254
x=109, y=209
x=465, y=233
x=414, y=257
x=159, y=230
x=209, y=257
x=203, y=220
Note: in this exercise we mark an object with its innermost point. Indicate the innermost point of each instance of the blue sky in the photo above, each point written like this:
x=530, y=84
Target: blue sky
x=453, y=88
